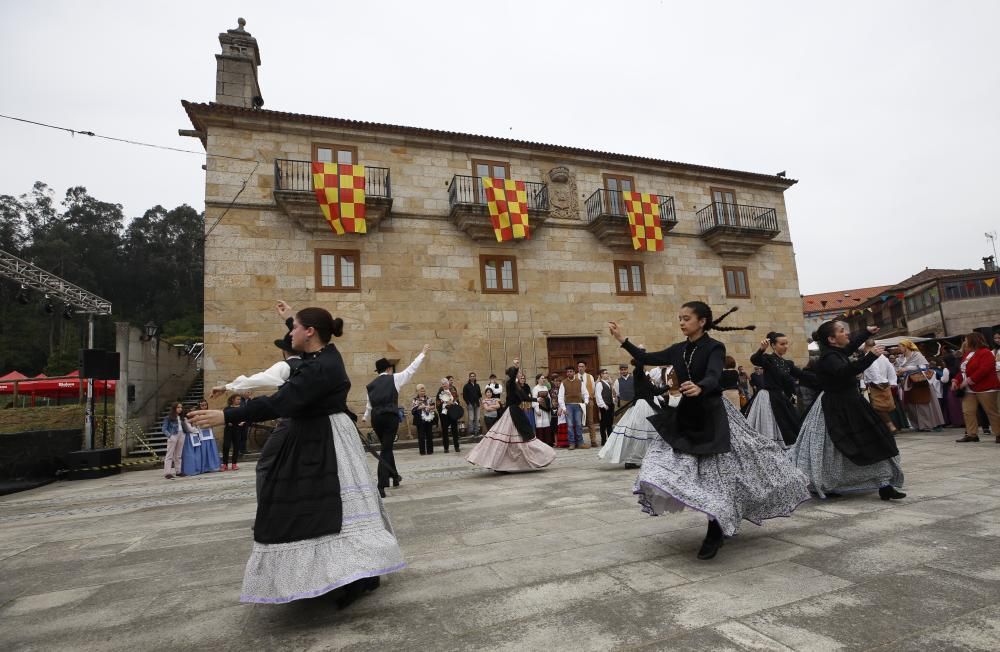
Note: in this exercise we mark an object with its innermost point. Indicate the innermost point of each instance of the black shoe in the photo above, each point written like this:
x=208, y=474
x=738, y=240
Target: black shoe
x=630, y=465
x=381, y=491
x=713, y=541
x=397, y=480
x=347, y=595
x=967, y=438
x=890, y=493
x=833, y=494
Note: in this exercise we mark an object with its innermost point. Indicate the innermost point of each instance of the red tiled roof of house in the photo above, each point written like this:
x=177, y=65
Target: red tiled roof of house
x=929, y=274
x=841, y=299
x=193, y=110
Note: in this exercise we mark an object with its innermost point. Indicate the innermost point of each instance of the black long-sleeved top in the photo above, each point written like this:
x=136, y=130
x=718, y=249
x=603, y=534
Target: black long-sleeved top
x=318, y=386
x=836, y=372
x=705, y=359
x=779, y=374
x=472, y=393
x=730, y=379
x=515, y=395
x=699, y=425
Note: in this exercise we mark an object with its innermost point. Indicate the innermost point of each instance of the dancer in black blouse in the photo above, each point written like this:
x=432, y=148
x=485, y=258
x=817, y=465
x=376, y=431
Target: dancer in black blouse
x=320, y=524
x=771, y=412
x=706, y=457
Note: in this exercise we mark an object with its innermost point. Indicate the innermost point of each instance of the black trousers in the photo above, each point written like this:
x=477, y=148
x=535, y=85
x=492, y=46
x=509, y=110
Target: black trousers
x=607, y=423
x=425, y=436
x=270, y=451
x=231, y=440
x=386, y=425
x=446, y=425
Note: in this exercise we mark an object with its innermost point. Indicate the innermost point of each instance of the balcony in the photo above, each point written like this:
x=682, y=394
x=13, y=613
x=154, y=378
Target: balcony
x=606, y=218
x=737, y=230
x=467, y=200
x=293, y=193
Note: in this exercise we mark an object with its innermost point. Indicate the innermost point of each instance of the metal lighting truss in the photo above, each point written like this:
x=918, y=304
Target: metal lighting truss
x=36, y=278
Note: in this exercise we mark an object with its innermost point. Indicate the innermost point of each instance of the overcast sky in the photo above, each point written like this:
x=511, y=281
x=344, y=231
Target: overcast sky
x=887, y=112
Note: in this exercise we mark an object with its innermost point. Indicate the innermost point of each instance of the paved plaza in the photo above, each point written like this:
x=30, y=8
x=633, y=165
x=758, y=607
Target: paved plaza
x=555, y=560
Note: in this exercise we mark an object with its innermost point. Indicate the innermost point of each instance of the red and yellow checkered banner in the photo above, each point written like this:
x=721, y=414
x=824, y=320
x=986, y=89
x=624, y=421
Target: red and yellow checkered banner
x=340, y=190
x=508, y=204
x=643, y=211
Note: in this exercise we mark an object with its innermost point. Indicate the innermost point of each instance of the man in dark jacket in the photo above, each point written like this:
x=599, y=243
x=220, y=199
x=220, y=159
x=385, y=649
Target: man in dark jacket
x=472, y=394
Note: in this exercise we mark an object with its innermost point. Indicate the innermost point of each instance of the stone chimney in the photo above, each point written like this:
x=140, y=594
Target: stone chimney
x=236, y=72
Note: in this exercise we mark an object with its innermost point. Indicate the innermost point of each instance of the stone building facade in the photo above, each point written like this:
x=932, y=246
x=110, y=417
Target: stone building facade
x=429, y=268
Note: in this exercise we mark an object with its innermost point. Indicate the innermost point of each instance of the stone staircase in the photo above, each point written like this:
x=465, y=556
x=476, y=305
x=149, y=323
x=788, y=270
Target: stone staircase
x=156, y=440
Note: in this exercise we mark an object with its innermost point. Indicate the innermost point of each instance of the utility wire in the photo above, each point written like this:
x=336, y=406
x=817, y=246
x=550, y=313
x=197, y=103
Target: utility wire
x=73, y=132
x=242, y=188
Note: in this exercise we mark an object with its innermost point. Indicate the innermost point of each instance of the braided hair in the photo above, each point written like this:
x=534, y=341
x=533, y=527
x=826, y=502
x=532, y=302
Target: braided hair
x=702, y=311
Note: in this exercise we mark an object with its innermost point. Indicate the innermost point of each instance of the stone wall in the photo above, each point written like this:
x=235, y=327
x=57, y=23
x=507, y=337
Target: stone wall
x=965, y=315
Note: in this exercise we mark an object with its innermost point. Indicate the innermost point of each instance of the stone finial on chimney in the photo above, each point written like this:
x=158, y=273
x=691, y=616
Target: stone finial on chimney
x=236, y=69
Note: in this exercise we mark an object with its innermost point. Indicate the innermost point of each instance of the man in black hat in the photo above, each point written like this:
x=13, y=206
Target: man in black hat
x=383, y=408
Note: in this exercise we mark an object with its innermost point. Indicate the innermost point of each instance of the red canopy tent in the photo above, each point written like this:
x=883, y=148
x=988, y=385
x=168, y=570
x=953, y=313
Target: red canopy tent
x=56, y=387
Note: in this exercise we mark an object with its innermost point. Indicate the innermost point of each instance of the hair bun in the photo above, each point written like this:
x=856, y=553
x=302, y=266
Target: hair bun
x=338, y=327
x=772, y=336
x=815, y=336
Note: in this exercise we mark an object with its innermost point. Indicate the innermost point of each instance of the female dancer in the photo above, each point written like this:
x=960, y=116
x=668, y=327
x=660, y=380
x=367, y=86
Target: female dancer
x=510, y=445
x=321, y=525
x=844, y=445
x=771, y=411
x=706, y=457
x=631, y=436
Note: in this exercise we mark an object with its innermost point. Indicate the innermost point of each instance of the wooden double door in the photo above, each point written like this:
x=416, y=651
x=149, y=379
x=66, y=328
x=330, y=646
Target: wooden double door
x=567, y=351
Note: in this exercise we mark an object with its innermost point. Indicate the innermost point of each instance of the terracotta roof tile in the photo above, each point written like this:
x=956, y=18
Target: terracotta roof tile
x=841, y=299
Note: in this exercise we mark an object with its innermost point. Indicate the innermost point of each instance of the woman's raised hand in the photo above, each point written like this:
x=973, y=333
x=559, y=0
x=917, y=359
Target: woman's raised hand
x=616, y=331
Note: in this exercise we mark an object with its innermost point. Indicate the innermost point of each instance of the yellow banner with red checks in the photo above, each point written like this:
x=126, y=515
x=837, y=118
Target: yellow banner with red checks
x=643, y=211
x=507, y=201
x=340, y=191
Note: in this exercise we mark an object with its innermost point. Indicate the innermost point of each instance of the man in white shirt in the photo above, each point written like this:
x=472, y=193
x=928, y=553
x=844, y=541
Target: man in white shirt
x=591, y=416
x=880, y=379
x=603, y=394
x=383, y=406
x=497, y=389
x=623, y=389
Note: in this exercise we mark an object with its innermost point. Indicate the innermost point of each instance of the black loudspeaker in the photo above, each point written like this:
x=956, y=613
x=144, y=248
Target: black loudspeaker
x=97, y=463
x=131, y=393
x=99, y=364
x=90, y=362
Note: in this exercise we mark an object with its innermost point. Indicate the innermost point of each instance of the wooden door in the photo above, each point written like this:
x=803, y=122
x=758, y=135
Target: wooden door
x=567, y=351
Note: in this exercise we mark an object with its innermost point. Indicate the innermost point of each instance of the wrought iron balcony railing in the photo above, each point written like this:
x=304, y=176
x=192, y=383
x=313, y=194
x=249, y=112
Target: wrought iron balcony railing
x=611, y=203
x=296, y=176
x=739, y=216
x=468, y=191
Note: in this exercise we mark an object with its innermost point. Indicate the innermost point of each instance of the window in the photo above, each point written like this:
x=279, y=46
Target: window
x=498, y=274
x=724, y=206
x=737, y=285
x=495, y=169
x=629, y=278
x=616, y=184
x=337, y=270
x=343, y=154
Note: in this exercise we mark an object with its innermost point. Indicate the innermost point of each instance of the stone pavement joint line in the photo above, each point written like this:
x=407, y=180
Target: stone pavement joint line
x=561, y=559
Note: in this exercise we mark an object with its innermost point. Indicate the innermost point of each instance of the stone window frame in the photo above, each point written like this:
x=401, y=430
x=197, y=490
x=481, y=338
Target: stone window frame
x=336, y=148
x=733, y=290
x=498, y=259
x=629, y=265
x=338, y=254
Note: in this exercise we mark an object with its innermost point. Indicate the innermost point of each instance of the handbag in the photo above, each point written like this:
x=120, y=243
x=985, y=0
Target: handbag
x=919, y=394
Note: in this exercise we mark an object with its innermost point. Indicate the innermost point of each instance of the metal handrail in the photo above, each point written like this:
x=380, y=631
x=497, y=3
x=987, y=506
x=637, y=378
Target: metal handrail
x=468, y=191
x=611, y=203
x=740, y=216
x=297, y=176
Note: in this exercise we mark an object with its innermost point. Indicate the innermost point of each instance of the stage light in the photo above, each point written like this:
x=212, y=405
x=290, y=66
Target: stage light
x=22, y=296
x=48, y=306
x=68, y=312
